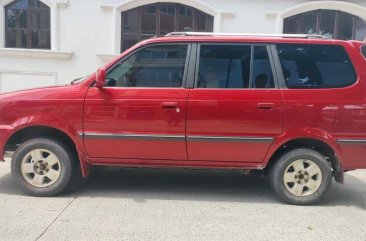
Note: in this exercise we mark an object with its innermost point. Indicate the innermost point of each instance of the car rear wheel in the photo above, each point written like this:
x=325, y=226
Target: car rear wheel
x=42, y=167
x=301, y=177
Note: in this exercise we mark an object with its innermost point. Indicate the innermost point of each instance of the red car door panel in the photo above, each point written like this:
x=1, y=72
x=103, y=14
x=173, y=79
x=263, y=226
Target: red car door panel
x=233, y=125
x=134, y=123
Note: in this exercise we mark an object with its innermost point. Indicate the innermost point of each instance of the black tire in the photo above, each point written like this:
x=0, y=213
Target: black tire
x=278, y=171
x=64, y=156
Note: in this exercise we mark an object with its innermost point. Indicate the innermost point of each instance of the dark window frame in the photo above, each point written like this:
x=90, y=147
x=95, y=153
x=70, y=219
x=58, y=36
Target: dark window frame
x=29, y=29
x=195, y=12
x=185, y=72
x=298, y=18
x=252, y=45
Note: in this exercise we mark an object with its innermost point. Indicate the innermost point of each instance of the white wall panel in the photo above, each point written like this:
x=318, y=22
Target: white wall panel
x=13, y=81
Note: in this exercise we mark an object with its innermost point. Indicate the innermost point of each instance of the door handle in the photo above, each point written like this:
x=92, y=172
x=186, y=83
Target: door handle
x=266, y=106
x=169, y=105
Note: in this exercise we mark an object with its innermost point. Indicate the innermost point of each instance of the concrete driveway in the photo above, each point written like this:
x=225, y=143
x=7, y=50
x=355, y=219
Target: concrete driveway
x=142, y=204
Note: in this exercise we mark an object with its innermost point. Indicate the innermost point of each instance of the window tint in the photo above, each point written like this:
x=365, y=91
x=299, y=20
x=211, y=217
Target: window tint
x=315, y=66
x=156, y=66
x=261, y=69
x=224, y=66
x=229, y=66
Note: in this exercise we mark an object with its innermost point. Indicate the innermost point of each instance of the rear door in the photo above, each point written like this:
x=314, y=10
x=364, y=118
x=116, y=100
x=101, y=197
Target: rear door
x=236, y=109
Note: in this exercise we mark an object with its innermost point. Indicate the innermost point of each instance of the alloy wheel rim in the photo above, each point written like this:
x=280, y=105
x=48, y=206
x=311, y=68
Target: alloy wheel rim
x=302, y=177
x=41, y=168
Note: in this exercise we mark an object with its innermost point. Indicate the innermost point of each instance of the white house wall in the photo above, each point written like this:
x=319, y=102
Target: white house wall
x=86, y=34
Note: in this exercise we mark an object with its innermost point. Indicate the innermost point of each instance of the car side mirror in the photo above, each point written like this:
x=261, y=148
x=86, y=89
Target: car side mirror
x=101, y=77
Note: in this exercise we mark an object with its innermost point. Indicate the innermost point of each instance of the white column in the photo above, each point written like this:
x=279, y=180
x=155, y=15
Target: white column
x=217, y=22
x=116, y=38
x=279, y=24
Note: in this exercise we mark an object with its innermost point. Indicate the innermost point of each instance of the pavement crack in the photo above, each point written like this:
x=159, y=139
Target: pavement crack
x=56, y=218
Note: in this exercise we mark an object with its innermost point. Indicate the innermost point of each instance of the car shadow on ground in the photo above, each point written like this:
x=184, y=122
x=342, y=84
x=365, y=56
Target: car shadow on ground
x=142, y=184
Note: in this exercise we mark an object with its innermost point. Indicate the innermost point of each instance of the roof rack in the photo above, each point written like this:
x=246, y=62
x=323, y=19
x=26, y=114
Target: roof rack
x=179, y=34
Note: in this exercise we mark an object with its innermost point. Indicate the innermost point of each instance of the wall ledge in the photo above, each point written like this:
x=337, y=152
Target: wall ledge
x=35, y=53
x=107, y=57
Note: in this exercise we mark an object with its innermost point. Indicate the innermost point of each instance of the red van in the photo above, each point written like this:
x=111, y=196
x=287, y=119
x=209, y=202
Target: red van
x=292, y=106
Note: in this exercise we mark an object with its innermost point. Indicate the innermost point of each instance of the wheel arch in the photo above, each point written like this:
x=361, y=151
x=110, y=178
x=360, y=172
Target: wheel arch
x=318, y=145
x=26, y=133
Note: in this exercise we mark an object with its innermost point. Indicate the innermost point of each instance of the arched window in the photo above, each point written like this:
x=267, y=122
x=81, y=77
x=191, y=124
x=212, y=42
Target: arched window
x=331, y=23
x=27, y=25
x=159, y=19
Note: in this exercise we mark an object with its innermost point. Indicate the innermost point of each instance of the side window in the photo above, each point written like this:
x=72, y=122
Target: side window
x=234, y=66
x=261, y=69
x=315, y=66
x=155, y=66
x=224, y=66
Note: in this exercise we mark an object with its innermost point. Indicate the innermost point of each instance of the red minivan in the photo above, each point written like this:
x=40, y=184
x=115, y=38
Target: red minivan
x=292, y=106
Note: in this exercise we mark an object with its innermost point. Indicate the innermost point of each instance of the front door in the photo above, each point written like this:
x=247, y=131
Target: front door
x=141, y=113
x=236, y=110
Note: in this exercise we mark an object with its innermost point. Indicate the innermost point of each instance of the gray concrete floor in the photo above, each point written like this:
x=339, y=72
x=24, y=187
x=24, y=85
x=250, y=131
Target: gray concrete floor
x=143, y=204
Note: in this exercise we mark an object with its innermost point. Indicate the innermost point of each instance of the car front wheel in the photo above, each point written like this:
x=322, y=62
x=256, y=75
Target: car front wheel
x=42, y=167
x=301, y=176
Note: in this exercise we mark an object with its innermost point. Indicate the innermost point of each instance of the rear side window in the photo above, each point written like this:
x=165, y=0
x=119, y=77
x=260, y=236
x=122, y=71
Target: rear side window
x=315, y=66
x=234, y=66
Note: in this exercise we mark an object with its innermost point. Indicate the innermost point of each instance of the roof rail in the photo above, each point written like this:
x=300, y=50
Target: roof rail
x=178, y=34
